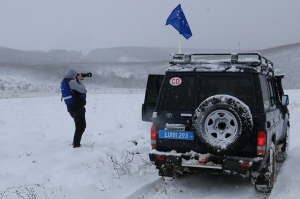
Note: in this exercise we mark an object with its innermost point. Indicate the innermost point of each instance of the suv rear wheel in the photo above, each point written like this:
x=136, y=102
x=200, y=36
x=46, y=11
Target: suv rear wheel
x=223, y=123
x=266, y=179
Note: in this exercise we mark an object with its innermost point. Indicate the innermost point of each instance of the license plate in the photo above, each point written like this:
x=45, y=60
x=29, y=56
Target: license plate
x=179, y=135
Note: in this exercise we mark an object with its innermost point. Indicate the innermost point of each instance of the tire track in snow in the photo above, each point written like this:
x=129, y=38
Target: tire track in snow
x=207, y=184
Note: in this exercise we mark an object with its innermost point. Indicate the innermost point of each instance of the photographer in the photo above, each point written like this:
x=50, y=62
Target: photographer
x=74, y=95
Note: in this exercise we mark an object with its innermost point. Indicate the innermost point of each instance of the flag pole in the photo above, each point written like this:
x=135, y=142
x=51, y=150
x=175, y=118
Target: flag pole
x=179, y=43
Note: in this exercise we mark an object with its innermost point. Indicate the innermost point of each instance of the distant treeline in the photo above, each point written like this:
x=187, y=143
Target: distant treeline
x=118, y=54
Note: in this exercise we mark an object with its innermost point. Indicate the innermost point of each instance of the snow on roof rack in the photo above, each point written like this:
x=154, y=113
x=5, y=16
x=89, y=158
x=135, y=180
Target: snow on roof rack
x=218, y=58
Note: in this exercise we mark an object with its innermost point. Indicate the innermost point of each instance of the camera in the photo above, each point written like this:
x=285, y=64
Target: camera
x=85, y=74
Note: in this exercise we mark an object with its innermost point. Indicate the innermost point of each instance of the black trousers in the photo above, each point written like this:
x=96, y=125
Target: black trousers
x=80, y=124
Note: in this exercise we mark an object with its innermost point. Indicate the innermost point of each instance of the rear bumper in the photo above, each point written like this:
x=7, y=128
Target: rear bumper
x=228, y=164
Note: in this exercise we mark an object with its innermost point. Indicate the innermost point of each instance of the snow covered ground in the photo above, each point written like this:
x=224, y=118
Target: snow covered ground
x=37, y=161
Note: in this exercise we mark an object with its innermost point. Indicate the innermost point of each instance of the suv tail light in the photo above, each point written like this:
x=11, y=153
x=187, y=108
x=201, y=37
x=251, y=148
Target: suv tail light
x=153, y=136
x=261, y=143
x=160, y=158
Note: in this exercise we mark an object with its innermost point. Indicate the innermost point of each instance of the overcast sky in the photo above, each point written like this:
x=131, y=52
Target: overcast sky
x=88, y=24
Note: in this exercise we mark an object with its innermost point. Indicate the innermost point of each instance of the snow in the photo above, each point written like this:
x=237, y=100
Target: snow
x=36, y=158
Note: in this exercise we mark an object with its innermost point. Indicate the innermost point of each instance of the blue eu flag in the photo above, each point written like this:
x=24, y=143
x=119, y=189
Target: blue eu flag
x=179, y=22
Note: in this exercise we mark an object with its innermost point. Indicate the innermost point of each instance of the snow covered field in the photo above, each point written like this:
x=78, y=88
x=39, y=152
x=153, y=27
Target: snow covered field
x=37, y=161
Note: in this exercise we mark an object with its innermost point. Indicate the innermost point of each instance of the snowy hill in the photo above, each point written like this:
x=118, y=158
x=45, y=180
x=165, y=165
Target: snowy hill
x=123, y=67
x=127, y=54
x=47, y=78
x=286, y=58
x=117, y=54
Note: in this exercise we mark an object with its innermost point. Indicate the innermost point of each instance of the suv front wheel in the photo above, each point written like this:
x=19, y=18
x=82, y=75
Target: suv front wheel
x=223, y=123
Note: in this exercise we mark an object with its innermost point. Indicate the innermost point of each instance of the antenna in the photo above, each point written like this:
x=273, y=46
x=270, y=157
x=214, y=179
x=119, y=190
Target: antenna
x=179, y=43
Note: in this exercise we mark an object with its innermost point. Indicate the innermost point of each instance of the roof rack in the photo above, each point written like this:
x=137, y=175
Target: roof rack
x=261, y=62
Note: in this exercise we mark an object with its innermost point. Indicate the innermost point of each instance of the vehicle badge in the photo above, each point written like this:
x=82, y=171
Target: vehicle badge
x=169, y=115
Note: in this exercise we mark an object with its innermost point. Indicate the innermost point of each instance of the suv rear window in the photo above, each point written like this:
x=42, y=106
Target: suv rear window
x=185, y=91
x=239, y=86
x=180, y=92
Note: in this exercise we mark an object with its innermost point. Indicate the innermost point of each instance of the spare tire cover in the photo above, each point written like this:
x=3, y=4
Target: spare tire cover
x=223, y=124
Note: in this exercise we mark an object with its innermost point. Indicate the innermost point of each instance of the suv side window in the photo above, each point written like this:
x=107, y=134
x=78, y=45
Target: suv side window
x=274, y=92
x=277, y=92
x=271, y=92
x=265, y=94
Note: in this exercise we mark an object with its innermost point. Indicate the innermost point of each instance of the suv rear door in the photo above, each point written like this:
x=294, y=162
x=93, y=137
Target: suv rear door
x=152, y=90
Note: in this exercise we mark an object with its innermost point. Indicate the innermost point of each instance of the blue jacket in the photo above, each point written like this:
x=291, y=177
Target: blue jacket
x=72, y=98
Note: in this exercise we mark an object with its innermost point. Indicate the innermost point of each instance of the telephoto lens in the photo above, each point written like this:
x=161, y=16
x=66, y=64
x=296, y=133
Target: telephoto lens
x=86, y=74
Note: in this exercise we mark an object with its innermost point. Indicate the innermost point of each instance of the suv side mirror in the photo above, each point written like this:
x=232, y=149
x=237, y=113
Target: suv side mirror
x=285, y=100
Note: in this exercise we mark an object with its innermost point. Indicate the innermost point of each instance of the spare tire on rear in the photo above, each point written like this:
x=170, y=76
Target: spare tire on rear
x=223, y=124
